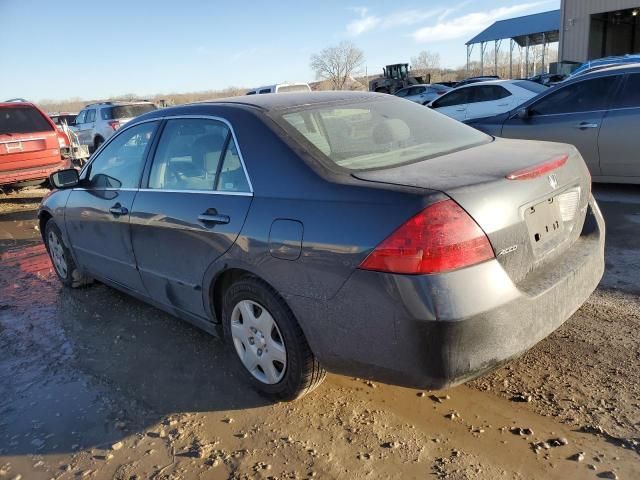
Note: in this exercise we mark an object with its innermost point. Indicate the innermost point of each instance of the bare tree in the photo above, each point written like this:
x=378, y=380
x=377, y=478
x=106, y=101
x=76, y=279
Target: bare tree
x=338, y=64
x=426, y=63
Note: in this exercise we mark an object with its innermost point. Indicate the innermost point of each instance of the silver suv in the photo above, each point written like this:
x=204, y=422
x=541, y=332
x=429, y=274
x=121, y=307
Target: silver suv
x=98, y=121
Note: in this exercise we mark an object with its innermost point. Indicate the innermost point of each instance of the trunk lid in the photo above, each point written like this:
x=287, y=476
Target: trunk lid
x=529, y=222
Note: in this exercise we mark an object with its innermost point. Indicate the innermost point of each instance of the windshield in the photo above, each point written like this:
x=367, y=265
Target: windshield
x=377, y=134
x=130, y=111
x=22, y=120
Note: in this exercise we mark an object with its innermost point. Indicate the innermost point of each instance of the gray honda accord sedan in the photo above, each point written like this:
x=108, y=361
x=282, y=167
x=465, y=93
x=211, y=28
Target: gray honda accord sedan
x=355, y=233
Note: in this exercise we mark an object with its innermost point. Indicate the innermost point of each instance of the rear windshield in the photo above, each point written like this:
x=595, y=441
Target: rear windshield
x=126, y=111
x=377, y=133
x=293, y=88
x=22, y=120
x=531, y=86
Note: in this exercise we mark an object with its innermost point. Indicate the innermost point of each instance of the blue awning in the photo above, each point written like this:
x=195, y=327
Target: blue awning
x=532, y=26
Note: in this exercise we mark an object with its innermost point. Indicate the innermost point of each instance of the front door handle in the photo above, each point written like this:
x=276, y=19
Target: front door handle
x=586, y=125
x=212, y=216
x=118, y=210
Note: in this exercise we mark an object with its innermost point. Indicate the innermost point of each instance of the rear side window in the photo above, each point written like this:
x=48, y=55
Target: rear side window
x=91, y=116
x=130, y=111
x=22, y=120
x=629, y=96
x=232, y=177
x=265, y=90
x=106, y=113
x=487, y=93
x=584, y=96
x=377, y=134
x=189, y=155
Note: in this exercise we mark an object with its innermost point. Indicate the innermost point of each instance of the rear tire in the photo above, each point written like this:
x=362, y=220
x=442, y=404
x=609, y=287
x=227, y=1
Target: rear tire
x=268, y=342
x=61, y=258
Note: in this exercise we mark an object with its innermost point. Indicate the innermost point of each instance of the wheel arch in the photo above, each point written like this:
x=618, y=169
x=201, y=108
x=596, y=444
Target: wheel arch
x=43, y=217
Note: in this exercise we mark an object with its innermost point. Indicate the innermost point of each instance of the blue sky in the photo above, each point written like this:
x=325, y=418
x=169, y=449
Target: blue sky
x=81, y=48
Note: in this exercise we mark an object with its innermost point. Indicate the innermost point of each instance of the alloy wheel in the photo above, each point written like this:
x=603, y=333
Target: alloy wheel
x=57, y=254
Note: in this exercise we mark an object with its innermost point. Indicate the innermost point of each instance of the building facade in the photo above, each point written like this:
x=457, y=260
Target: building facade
x=592, y=29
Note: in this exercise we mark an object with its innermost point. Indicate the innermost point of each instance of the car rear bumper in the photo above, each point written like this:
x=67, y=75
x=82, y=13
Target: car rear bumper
x=441, y=330
x=31, y=174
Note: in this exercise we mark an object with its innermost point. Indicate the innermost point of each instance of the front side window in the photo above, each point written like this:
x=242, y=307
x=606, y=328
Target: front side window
x=120, y=163
x=457, y=97
x=190, y=156
x=376, y=134
x=91, y=116
x=80, y=117
x=402, y=93
x=487, y=93
x=585, y=96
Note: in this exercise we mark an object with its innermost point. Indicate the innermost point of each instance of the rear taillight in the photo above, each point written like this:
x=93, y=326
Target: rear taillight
x=540, y=169
x=114, y=124
x=63, y=140
x=441, y=238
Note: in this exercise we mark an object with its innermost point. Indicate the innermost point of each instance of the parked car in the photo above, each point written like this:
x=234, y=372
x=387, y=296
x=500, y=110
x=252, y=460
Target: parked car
x=600, y=63
x=63, y=117
x=548, y=79
x=98, y=121
x=485, y=98
x=598, y=112
x=281, y=88
x=30, y=144
x=470, y=80
x=348, y=231
x=422, y=94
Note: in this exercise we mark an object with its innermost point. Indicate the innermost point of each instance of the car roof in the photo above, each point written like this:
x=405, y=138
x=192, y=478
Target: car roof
x=16, y=104
x=612, y=68
x=282, y=101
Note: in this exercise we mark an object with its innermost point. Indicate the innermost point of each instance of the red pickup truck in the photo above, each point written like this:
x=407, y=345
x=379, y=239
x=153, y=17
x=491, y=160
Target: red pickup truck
x=30, y=144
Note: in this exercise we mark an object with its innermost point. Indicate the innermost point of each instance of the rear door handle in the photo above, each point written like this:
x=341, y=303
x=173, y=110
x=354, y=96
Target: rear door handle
x=118, y=210
x=214, y=218
x=586, y=125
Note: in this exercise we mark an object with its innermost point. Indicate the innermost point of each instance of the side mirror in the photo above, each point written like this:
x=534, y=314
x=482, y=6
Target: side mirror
x=523, y=113
x=67, y=178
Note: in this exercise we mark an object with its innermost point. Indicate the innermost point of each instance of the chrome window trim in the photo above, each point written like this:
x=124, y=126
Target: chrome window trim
x=207, y=192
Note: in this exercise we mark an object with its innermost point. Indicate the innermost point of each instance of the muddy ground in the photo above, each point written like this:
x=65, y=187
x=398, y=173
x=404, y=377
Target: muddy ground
x=94, y=384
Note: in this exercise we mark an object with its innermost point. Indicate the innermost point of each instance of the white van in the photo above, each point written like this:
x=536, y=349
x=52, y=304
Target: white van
x=281, y=88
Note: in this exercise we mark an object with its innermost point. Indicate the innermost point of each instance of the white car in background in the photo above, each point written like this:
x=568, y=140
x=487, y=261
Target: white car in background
x=281, y=88
x=485, y=99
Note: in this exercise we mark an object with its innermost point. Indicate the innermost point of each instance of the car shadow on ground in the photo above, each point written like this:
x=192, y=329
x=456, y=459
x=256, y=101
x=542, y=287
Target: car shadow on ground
x=85, y=368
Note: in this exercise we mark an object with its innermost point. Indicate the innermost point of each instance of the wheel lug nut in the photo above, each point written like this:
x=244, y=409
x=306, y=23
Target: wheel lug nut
x=259, y=351
x=251, y=340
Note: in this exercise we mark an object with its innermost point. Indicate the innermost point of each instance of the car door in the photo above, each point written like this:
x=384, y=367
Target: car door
x=569, y=114
x=488, y=100
x=194, y=205
x=79, y=124
x=617, y=143
x=97, y=214
x=453, y=104
x=88, y=127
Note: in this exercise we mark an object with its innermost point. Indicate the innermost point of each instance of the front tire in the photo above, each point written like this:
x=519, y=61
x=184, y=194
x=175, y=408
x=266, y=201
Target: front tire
x=268, y=342
x=61, y=258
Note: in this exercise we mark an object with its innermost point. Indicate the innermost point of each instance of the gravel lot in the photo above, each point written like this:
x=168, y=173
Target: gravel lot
x=94, y=384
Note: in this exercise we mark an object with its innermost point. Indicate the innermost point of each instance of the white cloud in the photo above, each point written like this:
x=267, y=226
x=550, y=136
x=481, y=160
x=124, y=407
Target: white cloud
x=469, y=24
x=363, y=24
